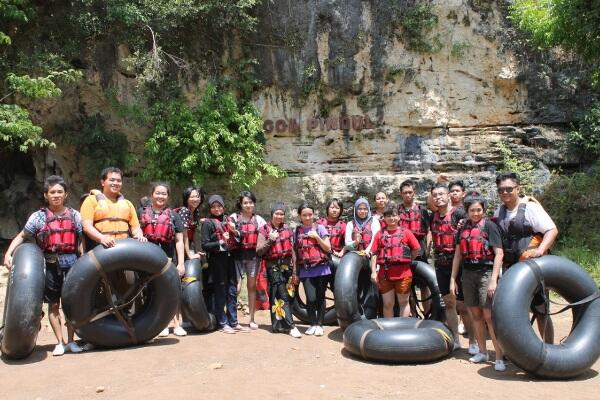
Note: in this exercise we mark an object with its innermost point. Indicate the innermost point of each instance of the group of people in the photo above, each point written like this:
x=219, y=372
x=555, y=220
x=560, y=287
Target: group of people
x=469, y=249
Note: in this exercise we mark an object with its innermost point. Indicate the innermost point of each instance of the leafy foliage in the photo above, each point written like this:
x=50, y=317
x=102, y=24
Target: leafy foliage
x=218, y=136
x=573, y=24
x=511, y=163
x=573, y=201
x=17, y=130
x=587, y=133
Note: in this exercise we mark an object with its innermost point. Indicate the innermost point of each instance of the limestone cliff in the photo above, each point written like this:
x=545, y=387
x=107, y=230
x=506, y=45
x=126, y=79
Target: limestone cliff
x=352, y=104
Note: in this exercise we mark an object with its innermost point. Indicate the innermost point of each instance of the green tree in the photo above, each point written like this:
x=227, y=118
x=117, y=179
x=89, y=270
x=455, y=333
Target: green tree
x=219, y=136
x=17, y=130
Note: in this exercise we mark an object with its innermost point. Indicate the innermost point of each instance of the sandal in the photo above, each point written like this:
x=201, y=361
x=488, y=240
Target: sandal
x=253, y=325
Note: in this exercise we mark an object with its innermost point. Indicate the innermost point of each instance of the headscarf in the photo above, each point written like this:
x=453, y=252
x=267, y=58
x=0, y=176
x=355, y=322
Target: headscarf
x=216, y=198
x=278, y=205
x=361, y=222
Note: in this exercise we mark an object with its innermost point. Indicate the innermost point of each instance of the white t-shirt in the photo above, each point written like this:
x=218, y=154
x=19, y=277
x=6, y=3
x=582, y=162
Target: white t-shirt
x=535, y=216
x=375, y=227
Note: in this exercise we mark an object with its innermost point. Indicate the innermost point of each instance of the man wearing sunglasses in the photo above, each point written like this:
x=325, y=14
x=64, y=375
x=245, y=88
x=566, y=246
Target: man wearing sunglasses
x=528, y=232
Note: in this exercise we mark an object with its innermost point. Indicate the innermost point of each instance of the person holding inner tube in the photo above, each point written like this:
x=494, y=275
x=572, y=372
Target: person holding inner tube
x=57, y=230
x=381, y=201
x=360, y=233
x=275, y=246
x=393, y=249
x=245, y=225
x=217, y=240
x=479, y=250
x=312, y=248
x=162, y=226
x=106, y=215
x=528, y=232
x=190, y=217
x=444, y=227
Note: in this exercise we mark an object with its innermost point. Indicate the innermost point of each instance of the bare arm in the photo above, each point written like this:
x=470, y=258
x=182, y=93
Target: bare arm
x=179, y=249
x=20, y=238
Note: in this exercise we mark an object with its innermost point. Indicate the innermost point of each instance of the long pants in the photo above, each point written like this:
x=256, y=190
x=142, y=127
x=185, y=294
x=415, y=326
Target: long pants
x=224, y=285
x=314, y=288
x=278, y=275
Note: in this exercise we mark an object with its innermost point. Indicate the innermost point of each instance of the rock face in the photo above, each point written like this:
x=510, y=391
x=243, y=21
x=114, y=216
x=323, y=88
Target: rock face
x=355, y=100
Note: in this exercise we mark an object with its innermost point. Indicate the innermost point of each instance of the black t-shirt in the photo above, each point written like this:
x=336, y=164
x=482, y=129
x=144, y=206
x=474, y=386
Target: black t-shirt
x=494, y=237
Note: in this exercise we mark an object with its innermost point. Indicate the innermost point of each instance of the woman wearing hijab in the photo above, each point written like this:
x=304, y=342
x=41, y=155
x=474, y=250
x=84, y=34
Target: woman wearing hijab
x=360, y=233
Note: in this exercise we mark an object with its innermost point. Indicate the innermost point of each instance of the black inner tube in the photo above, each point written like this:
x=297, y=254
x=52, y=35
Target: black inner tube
x=193, y=306
x=398, y=340
x=23, y=305
x=510, y=312
x=134, y=317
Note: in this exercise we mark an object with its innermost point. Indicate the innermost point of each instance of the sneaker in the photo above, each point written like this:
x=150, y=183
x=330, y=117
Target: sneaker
x=461, y=328
x=241, y=329
x=253, y=325
x=473, y=349
x=319, y=331
x=500, y=366
x=73, y=347
x=179, y=331
x=59, y=350
x=310, y=330
x=456, y=345
x=227, y=329
x=478, y=358
x=88, y=347
x=164, y=333
x=295, y=333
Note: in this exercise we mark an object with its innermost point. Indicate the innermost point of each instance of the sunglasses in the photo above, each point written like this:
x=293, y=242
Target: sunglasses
x=507, y=189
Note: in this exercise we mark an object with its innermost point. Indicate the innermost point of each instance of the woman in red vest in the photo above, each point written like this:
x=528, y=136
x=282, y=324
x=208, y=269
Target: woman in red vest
x=312, y=247
x=245, y=225
x=479, y=250
x=162, y=226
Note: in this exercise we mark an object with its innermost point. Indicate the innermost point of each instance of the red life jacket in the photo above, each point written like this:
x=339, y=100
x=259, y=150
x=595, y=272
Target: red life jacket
x=392, y=250
x=220, y=228
x=336, y=232
x=309, y=253
x=282, y=247
x=444, y=236
x=412, y=219
x=366, y=234
x=58, y=234
x=474, y=244
x=158, y=228
x=249, y=233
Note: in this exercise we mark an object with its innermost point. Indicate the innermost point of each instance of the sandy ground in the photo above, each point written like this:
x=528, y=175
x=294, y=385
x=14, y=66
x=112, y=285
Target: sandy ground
x=259, y=365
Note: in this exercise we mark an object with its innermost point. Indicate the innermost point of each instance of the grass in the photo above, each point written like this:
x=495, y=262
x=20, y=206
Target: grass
x=588, y=258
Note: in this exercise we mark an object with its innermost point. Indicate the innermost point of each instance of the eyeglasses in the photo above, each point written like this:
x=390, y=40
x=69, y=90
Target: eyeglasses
x=506, y=189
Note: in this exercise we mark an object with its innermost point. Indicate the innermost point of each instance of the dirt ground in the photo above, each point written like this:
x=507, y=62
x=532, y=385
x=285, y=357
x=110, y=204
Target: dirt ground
x=261, y=365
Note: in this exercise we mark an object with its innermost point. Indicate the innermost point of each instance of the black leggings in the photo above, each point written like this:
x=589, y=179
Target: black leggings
x=314, y=288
